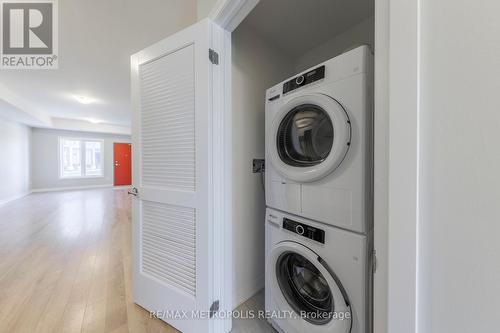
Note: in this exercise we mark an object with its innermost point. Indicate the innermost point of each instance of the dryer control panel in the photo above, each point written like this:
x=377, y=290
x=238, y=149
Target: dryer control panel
x=304, y=79
x=304, y=230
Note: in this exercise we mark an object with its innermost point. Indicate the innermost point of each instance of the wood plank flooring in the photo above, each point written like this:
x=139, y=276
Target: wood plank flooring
x=65, y=266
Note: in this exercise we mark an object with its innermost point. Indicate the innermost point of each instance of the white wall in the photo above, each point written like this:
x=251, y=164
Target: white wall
x=45, y=159
x=256, y=66
x=362, y=33
x=15, y=166
x=204, y=7
x=459, y=247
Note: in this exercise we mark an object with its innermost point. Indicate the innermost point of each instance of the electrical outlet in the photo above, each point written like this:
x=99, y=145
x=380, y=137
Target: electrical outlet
x=259, y=165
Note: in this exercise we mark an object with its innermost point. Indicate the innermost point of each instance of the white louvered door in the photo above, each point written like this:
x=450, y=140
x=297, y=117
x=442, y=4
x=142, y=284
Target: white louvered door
x=173, y=174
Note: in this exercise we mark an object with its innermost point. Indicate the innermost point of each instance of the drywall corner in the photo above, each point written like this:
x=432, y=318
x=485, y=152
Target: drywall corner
x=256, y=65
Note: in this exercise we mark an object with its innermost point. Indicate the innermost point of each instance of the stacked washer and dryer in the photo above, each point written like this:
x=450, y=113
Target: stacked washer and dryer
x=319, y=197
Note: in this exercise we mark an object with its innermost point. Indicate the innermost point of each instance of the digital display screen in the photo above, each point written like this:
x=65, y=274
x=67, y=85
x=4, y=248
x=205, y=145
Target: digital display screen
x=304, y=79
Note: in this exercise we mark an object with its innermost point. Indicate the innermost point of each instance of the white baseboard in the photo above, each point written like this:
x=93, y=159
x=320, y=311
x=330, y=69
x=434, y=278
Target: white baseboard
x=70, y=188
x=124, y=187
x=15, y=197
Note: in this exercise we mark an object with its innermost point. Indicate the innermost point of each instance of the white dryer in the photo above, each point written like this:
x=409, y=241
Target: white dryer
x=318, y=277
x=319, y=142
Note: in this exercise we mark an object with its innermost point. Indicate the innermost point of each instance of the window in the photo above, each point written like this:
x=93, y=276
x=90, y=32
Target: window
x=80, y=158
x=93, y=158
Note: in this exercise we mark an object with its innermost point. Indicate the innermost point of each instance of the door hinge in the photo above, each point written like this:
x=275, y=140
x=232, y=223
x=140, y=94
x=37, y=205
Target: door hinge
x=213, y=56
x=374, y=261
x=214, y=308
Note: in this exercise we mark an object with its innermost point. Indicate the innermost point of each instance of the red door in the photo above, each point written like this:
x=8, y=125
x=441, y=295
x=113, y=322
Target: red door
x=123, y=164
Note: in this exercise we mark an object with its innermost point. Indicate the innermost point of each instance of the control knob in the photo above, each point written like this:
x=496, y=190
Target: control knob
x=299, y=229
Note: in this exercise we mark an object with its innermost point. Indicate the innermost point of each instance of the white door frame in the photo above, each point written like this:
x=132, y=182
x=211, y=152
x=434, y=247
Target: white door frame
x=403, y=162
x=396, y=153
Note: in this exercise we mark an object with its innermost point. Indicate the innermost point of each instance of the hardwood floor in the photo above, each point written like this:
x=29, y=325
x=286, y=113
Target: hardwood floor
x=65, y=265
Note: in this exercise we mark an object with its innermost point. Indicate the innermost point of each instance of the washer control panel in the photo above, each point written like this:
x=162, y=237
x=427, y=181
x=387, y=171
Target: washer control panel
x=304, y=79
x=304, y=230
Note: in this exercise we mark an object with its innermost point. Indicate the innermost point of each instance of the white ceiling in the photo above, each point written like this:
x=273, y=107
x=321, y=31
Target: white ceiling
x=295, y=26
x=96, y=39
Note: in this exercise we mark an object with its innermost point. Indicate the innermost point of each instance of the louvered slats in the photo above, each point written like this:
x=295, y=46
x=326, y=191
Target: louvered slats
x=168, y=121
x=169, y=244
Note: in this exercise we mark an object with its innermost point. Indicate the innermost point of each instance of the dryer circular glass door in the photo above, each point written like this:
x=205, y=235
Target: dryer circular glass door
x=310, y=137
x=301, y=282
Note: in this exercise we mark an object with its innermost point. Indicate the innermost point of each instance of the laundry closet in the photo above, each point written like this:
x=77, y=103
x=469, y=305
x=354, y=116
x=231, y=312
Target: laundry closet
x=209, y=232
x=276, y=42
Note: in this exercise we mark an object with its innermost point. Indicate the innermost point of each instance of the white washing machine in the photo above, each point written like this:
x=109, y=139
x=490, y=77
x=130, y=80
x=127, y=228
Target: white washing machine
x=318, y=277
x=319, y=142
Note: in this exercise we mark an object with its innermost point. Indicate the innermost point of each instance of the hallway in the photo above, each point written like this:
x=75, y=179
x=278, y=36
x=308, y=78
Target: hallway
x=65, y=265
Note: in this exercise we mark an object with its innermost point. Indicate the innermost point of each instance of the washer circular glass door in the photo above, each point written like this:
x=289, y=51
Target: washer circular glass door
x=310, y=137
x=304, y=287
x=301, y=283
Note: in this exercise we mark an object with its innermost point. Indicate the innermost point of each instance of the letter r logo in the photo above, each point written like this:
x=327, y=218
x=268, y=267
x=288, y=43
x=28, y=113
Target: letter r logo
x=27, y=27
